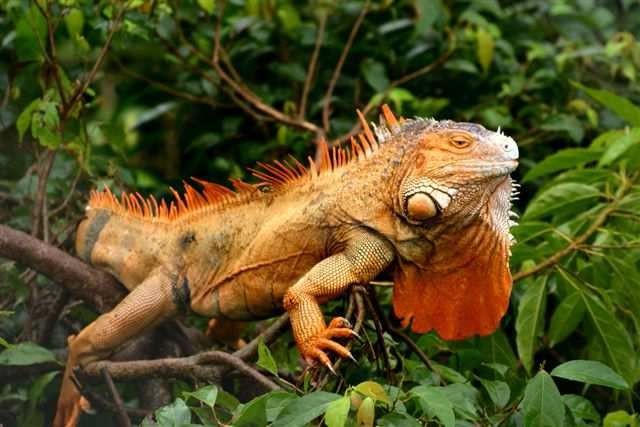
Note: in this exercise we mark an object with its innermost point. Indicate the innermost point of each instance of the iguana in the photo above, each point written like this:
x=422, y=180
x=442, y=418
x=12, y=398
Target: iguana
x=426, y=200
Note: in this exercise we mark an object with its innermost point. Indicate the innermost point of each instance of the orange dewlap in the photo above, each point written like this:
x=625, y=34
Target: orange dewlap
x=459, y=302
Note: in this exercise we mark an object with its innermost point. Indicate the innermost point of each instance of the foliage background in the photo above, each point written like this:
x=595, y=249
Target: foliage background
x=135, y=95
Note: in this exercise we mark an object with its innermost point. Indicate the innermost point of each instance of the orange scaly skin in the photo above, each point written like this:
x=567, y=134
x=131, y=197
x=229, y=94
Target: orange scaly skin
x=426, y=200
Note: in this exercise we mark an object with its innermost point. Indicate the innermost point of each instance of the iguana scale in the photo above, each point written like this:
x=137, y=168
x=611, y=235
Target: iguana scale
x=427, y=200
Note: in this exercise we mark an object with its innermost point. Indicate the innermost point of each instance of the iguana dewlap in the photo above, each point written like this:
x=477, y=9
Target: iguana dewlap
x=426, y=200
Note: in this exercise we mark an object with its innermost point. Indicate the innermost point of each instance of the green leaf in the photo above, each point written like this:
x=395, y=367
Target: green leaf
x=565, y=123
x=429, y=11
x=530, y=320
x=562, y=160
x=74, y=21
x=337, y=412
x=375, y=74
x=496, y=349
x=560, y=196
x=303, y=410
x=174, y=415
x=395, y=419
x=253, y=413
x=582, y=409
x=622, y=107
x=619, y=419
x=38, y=386
x=25, y=353
x=24, y=119
x=265, y=358
x=590, y=372
x=566, y=318
x=373, y=390
x=450, y=375
x=498, y=391
x=366, y=413
x=620, y=146
x=206, y=395
x=207, y=5
x=542, y=404
x=613, y=340
x=485, y=45
x=435, y=403
x=276, y=402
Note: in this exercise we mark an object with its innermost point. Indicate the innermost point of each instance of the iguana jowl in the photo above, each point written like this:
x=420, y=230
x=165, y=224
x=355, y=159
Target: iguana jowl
x=428, y=200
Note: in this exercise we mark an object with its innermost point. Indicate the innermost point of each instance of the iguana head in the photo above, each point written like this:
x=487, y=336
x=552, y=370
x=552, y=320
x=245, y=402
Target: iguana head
x=454, y=172
x=452, y=197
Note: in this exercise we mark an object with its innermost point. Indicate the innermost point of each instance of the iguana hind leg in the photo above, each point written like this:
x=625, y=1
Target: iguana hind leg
x=148, y=304
x=364, y=257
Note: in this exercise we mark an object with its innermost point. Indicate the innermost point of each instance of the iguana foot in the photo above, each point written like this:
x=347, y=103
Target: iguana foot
x=314, y=349
x=68, y=412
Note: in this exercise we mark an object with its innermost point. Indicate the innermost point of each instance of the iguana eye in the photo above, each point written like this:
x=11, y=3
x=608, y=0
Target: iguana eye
x=460, y=142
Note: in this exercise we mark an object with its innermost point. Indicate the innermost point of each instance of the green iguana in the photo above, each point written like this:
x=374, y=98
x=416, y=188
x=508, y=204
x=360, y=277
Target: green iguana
x=427, y=200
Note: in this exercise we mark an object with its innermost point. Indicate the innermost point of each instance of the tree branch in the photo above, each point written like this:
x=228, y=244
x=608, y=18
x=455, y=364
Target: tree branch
x=83, y=281
x=311, y=69
x=196, y=366
x=576, y=244
x=247, y=94
x=326, y=103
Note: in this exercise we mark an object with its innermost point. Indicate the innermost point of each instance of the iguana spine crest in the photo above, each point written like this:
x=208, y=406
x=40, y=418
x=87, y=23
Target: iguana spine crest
x=276, y=176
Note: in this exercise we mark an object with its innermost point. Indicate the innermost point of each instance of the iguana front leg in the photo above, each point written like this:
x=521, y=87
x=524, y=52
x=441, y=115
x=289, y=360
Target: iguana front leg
x=148, y=304
x=364, y=257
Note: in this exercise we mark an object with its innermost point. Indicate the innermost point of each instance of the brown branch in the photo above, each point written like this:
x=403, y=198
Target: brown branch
x=44, y=169
x=52, y=58
x=168, y=89
x=83, y=281
x=379, y=321
x=123, y=419
x=247, y=94
x=80, y=90
x=602, y=217
x=69, y=196
x=326, y=103
x=400, y=81
x=311, y=69
x=268, y=335
x=201, y=366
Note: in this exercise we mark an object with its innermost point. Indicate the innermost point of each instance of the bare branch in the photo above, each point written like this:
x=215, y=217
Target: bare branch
x=311, y=69
x=582, y=238
x=80, y=90
x=83, y=281
x=326, y=103
x=247, y=94
x=402, y=80
x=123, y=419
x=202, y=366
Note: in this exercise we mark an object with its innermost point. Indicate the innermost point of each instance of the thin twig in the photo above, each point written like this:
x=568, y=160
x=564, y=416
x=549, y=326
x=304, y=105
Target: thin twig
x=582, y=238
x=326, y=103
x=69, y=196
x=44, y=169
x=52, y=58
x=400, y=81
x=245, y=93
x=379, y=318
x=123, y=419
x=311, y=69
x=200, y=366
x=80, y=90
x=268, y=335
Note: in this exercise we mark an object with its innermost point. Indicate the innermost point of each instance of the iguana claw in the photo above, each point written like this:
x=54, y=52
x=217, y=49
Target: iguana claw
x=314, y=350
